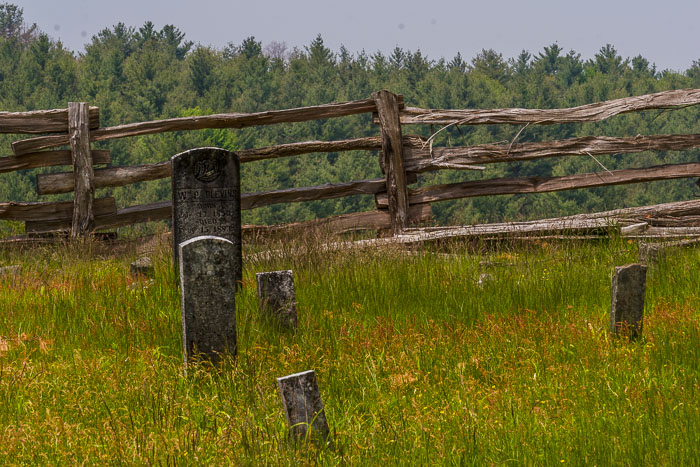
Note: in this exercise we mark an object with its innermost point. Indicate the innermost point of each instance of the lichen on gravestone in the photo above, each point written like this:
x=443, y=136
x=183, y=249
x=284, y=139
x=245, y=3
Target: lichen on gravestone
x=13, y=270
x=303, y=406
x=627, y=307
x=142, y=266
x=277, y=298
x=206, y=193
x=651, y=254
x=208, y=269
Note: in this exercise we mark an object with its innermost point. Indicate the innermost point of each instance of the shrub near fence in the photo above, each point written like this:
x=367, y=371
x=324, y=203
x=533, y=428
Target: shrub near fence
x=403, y=157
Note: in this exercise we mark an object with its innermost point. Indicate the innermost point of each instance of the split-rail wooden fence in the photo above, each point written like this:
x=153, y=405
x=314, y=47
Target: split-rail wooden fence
x=402, y=158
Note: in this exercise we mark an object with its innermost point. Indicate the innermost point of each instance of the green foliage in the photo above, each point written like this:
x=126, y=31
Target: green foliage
x=137, y=74
x=12, y=25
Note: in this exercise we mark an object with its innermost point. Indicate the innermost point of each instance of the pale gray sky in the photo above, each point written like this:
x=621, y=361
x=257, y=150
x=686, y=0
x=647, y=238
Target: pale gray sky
x=664, y=32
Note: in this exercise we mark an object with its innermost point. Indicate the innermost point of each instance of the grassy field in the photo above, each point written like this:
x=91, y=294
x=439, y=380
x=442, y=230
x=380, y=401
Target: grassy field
x=418, y=362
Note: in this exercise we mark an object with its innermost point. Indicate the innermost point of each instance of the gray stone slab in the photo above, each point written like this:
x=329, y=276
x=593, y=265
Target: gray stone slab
x=208, y=286
x=484, y=278
x=651, y=254
x=627, y=308
x=277, y=298
x=13, y=270
x=206, y=191
x=142, y=266
x=303, y=406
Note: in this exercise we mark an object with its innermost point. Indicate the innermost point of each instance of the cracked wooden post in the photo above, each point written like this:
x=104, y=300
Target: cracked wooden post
x=392, y=150
x=79, y=134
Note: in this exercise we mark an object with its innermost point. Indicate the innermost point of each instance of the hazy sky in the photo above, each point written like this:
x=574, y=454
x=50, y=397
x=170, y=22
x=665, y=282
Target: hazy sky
x=664, y=32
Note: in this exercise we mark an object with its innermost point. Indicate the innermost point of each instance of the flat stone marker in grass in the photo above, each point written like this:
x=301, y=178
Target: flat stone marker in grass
x=276, y=296
x=303, y=406
x=142, y=266
x=206, y=192
x=627, y=309
x=208, y=271
x=13, y=270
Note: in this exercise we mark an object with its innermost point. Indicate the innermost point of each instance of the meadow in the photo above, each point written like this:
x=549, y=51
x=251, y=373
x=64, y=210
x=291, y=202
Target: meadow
x=470, y=354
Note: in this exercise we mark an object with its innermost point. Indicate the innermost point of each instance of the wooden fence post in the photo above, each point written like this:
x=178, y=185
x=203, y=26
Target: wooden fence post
x=79, y=133
x=392, y=149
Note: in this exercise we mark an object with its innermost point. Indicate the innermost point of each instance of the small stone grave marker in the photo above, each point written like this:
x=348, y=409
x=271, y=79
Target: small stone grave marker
x=208, y=269
x=206, y=192
x=627, y=309
x=13, y=270
x=303, y=406
x=484, y=278
x=142, y=266
x=276, y=296
x=651, y=254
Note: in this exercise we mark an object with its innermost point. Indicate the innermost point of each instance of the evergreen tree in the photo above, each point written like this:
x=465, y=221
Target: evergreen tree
x=490, y=63
x=201, y=66
x=13, y=27
x=607, y=61
x=143, y=74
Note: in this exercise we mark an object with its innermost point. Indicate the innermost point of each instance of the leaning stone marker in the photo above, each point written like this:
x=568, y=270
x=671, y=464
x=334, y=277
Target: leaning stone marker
x=207, y=278
x=276, y=296
x=206, y=192
x=303, y=406
x=627, y=309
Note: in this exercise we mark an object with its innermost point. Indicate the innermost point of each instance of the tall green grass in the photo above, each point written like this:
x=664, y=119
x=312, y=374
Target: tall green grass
x=463, y=355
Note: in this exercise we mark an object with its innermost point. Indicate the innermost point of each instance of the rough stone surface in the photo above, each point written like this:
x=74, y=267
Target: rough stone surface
x=143, y=266
x=483, y=279
x=651, y=253
x=206, y=192
x=207, y=278
x=276, y=296
x=627, y=309
x=303, y=406
x=11, y=270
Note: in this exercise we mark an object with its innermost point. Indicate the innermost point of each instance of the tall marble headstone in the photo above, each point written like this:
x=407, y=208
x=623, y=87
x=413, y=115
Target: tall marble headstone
x=627, y=308
x=206, y=190
x=303, y=406
x=207, y=278
x=276, y=297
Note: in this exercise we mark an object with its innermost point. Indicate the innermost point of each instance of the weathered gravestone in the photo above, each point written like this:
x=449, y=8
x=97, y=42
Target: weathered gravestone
x=142, y=266
x=208, y=269
x=206, y=192
x=303, y=406
x=276, y=296
x=650, y=254
x=13, y=270
x=627, y=308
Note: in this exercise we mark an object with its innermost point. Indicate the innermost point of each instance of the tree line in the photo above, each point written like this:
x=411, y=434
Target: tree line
x=145, y=73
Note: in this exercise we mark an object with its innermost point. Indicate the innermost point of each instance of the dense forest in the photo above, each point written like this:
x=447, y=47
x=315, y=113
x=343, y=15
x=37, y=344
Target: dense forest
x=137, y=74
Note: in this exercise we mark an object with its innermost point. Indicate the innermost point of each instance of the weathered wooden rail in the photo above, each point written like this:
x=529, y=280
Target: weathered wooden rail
x=403, y=157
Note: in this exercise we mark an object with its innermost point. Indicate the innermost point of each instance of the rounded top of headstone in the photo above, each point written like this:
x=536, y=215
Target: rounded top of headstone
x=143, y=261
x=204, y=165
x=209, y=150
x=205, y=237
x=630, y=267
x=296, y=375
x=284, y=272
